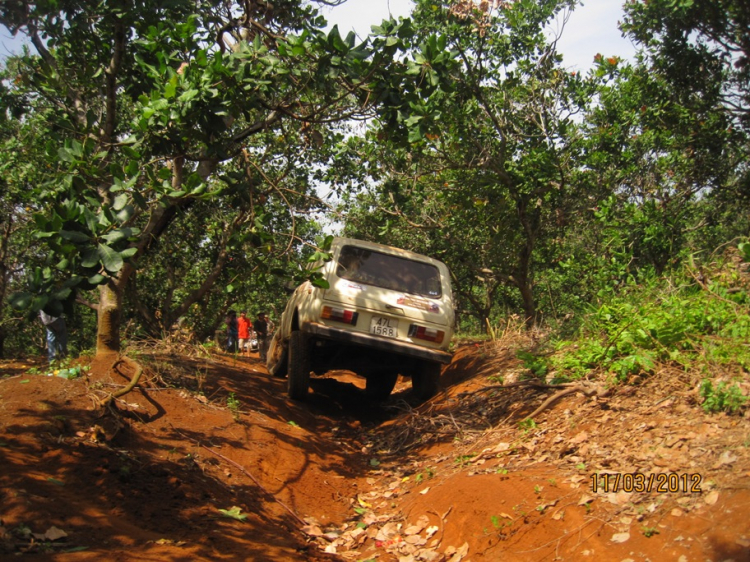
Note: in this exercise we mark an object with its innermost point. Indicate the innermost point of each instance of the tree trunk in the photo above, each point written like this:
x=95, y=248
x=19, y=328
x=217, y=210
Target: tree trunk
x=109, y=315
x=529, y=306
x=521, y=279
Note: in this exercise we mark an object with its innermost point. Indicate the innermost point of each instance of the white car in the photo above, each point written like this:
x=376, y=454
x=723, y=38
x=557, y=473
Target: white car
x=386, y=312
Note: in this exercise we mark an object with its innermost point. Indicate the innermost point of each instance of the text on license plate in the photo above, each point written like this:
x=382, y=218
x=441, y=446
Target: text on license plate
x=384, y=326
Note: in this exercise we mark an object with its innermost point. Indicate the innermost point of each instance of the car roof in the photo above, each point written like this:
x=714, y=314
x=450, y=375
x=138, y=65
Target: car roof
x=392, y=250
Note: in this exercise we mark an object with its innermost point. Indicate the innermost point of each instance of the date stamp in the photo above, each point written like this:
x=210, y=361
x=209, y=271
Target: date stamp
x=662, y=483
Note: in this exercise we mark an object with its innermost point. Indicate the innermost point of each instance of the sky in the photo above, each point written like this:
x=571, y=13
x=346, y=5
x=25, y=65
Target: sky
x=591, y=29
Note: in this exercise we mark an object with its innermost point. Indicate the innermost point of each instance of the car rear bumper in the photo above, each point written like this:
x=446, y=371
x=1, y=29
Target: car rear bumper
x=375, y=342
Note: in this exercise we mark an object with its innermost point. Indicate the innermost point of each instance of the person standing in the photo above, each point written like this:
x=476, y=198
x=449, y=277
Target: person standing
x=261, y=332
x=232, y=331
x=57, y=336
x=243, y=331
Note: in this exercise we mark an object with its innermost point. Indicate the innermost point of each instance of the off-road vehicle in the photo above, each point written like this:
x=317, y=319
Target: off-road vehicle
x=386, y=312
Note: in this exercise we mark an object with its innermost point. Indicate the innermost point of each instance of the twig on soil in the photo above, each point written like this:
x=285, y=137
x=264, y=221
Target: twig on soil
x=301, y=522
x=442, y=523
x=567, y=535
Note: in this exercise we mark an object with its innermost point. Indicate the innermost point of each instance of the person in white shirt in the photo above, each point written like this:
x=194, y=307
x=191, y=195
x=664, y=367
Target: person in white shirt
x=57, y=335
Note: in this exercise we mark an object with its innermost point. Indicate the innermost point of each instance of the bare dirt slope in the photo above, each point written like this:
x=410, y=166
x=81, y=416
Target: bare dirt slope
x=174, y=474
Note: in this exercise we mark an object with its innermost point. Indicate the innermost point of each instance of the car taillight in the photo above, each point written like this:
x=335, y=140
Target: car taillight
x=340, y=315
x=428, y=334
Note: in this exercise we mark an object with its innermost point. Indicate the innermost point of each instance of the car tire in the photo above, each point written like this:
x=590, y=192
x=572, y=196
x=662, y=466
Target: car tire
x=424, y=382
x=380, y=385
x=298, y=382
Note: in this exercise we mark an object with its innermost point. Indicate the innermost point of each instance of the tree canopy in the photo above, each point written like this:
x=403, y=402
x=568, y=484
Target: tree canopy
x=164, y=160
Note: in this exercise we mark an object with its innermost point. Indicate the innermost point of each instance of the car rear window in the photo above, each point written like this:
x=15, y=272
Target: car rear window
x=389, y=272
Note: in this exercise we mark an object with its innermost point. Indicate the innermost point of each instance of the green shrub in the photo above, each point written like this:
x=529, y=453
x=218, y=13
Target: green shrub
x=674, y=320
x=722, y=398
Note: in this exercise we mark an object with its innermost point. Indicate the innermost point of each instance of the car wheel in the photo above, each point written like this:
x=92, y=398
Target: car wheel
x=380, y=385
x=298, y=382
x=424, y=382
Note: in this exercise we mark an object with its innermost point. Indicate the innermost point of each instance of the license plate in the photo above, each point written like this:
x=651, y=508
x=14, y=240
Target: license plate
x=384, y=326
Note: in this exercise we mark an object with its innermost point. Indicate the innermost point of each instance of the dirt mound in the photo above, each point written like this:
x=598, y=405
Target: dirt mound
x=207, y=459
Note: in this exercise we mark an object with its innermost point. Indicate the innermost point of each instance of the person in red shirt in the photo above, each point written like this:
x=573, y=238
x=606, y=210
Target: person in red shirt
x=243, y=332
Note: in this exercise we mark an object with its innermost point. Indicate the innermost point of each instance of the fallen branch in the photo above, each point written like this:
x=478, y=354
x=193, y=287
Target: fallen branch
x=518, y=384
x=588, y=391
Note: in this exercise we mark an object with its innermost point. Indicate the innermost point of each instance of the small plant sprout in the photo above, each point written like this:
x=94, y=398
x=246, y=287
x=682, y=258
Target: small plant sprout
x=234, y=405
x=428, y=473
x=538, y=489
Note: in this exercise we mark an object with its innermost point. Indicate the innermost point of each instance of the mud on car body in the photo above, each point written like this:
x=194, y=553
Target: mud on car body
x=385, y=312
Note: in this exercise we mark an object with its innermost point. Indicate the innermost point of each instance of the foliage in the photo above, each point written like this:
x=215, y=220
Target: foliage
x=477, y=169
x=162, y=164
x=533, y=208
x=699, y=50
x=700, y=47
x=538, y=366
x=722, y=398
x=697, y=320
x=666, y=158
x=213, y=115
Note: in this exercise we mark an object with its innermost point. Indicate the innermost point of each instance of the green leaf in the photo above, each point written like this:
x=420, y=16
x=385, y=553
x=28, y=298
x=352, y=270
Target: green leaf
x=20, y=301
x=321, y=283
x=126, y=213
x=120, y=201
x=90, y=257
x=170, y=90
x=62, y=294
x=119, y=234
x=189, y=95
x=74, y=236
x=65, y=155
x=234, y=513
x=111, y=259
